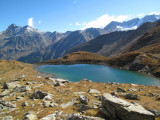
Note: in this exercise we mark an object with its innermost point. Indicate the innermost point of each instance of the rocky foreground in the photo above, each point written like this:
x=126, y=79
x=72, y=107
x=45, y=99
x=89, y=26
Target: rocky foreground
x=29, y=95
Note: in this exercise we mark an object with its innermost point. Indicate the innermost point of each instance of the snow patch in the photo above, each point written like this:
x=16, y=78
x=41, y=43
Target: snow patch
x=127, y=28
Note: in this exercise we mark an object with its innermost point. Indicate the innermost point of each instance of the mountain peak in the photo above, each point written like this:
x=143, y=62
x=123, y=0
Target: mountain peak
x=12, y=29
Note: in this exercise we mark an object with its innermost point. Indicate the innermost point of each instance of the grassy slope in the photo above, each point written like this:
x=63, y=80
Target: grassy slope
x=78, y=57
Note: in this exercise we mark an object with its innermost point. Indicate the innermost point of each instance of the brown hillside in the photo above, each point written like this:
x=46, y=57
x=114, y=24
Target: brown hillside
x=148, y=39
x=78, y=57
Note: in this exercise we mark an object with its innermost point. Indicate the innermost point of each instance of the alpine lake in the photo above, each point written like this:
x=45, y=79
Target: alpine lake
x=98, y=73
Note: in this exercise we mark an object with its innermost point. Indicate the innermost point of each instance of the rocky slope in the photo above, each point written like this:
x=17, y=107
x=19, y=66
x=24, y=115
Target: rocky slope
x=22, y=41
x=148, y=39
x=29, y=95
x=143, y=55
x=114, y=43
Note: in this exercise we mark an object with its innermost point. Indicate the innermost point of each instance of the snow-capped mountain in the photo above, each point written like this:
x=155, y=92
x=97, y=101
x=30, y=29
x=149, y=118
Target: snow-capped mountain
x=130, y=25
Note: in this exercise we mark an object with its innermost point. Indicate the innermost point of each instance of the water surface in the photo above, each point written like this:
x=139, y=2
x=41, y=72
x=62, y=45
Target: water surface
x=98, y=73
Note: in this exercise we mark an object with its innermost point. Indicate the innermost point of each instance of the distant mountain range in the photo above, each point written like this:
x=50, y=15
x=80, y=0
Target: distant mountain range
x=113, y=44
x=27, y=44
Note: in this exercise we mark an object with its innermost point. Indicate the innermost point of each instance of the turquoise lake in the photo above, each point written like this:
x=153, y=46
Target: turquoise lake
x=97, y=73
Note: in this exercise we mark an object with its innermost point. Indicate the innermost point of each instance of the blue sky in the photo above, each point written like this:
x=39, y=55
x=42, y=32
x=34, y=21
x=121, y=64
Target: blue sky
x=69, y=15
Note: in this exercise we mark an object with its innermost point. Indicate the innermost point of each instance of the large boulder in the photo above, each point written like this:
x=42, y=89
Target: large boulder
x=115, y=108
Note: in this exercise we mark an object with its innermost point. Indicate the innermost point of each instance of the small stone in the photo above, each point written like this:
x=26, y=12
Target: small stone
x=83, y=108
x=61, y=81
x=140, y=89
x=78, y=93
x=8, y=118
x=48, y=97
x=131, y=96
x=68, y=104
x=30, y=116
x=94, y=91
x=158, y=98
x=24, y=88
x=18, y=98
x=10, y=85
x=121, y=90
x=83, y=99
x=114, y=93
x=24, y=104
x=131, y=89
x=96, y=104
x=49, y=104
x=133, y=84
x=38, y=95
x=58, y=84
x=7, y=104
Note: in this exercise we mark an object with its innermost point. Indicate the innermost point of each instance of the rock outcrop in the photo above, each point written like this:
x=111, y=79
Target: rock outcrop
x=115, y=108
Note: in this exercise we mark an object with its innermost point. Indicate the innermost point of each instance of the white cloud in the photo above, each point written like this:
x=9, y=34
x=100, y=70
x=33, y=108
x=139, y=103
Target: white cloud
x=102, y=21
x=154, y=13
x=70, y=24
x=30, y=22
x=39, y=22
x=141, y=15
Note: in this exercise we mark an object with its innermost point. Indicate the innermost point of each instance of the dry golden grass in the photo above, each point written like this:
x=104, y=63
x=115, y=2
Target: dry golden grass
x=78, y=57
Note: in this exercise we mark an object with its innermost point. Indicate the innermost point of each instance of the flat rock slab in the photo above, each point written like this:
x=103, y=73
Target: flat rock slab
x=116, y=108
x=94, y=91
x=77, y=116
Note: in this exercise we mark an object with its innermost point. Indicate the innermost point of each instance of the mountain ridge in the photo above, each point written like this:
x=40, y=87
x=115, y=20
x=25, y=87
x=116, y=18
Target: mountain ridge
x=27, y=44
